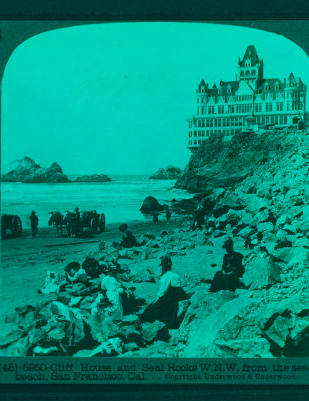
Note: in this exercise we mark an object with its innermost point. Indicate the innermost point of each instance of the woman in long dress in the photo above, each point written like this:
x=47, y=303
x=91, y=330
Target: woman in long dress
x=165, y=307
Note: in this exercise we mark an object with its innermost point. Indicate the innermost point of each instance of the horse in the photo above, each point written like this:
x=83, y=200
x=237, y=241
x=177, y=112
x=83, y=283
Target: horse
x=57, y=220
x=70, y=223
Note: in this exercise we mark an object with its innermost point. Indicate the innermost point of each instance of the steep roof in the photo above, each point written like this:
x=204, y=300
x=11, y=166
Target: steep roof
x=272, y=83
x=251, y=54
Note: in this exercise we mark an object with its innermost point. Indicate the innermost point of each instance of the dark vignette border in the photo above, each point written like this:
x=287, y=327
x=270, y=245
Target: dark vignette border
x=285, y=17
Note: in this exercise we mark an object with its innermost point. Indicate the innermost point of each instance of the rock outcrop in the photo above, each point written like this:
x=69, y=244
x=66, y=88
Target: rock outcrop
x=93, y=178
x=169, y=173
x=151, y=205
x=28, y=171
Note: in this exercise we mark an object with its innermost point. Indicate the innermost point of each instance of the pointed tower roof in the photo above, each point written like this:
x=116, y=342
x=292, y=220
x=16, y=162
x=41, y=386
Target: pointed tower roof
x=250, y=54
x=292, y=78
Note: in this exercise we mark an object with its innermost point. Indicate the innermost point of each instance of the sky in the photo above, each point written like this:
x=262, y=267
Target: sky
x=114, y=98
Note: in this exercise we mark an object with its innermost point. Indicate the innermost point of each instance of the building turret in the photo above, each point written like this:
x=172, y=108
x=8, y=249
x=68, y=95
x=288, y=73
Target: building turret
x=250, y=68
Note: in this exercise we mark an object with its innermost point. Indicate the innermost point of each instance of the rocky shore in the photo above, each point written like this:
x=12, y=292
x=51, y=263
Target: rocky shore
x=255, y=191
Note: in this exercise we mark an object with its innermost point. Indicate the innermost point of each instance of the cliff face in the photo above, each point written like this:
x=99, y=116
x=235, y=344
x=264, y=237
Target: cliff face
x=263, y=157
x=28, y=171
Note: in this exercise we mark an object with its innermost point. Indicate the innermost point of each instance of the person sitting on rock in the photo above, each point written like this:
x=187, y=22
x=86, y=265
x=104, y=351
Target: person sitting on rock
x=75, y=273
x=128, y=239
x=168, y=215
x=165, y=307
x=113, y=289
x=155, y=218
x=271, y=218
x=198, y=218
x=232, y=270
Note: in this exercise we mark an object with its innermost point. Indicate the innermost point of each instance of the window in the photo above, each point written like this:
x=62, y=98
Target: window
x=220, y=109
x=199, y=141
x=195, y=142
x=281, y=119
x=211, y=123
x=190, y=124
x=207, y=123
x=197, y=110
x=285, y=119
x=199, y=133
x=190, y=142
x=203, y=110
x=203, y=133
x=279, y=106
x=190, y=133
x=195, y=133
x=269, y=107
x=199, y=123
x=203, y=123
x=219, y=122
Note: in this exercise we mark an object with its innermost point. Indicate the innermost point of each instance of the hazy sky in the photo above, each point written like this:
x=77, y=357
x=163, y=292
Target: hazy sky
x=114, y=98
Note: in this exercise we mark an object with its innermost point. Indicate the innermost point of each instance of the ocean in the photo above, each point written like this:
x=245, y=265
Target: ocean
x=120, y=199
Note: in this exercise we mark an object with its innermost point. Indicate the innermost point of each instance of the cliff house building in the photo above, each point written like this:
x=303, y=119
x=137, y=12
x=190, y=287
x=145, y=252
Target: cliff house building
x=251, y=99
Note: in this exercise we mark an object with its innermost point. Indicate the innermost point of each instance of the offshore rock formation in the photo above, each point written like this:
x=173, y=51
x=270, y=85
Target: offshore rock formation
x=169, y=173
x=28, y=171
x=93, y=178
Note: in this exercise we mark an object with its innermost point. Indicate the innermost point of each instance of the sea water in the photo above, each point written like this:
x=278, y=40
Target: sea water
x=120, y=199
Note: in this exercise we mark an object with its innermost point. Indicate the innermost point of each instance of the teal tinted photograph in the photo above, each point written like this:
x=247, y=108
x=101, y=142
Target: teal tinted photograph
x=154, y=195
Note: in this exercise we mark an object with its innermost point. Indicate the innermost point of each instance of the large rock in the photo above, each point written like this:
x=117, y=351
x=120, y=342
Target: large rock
x=150, y=205
x=93, y=178
x=261, y=272
x=28, y=171
x=150, y=331
x=170, y=173
x=231, y=321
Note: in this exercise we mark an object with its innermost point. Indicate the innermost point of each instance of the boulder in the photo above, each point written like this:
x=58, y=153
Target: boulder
x=261, y=272
x=226, y=323
x=17, y=349
x=150, y=331
x=142, y=275
x=150, y=205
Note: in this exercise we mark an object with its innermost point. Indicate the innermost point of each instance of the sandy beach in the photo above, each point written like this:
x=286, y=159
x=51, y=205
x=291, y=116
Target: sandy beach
x=26, y=260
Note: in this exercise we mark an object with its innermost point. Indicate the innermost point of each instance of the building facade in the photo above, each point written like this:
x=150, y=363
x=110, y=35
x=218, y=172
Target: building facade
x=227, y=108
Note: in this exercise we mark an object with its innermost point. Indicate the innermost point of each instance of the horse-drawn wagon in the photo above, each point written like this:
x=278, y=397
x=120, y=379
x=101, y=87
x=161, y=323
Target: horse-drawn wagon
x=11, y=222
x=90, y=220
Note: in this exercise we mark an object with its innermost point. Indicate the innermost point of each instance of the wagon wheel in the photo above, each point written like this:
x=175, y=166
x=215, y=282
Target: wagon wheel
x=94, y=225
x=16, y=226
x=102, y=222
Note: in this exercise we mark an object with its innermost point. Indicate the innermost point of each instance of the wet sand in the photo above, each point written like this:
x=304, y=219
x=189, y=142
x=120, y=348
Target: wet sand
x=25, y=260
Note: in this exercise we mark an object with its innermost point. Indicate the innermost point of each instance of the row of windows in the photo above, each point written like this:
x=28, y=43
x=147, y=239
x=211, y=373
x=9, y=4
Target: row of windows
x=247, y=107
x=236, y=122
x=243, y=98
x=207, y=133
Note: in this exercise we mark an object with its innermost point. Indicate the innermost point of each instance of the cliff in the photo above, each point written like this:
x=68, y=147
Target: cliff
x=264, y=157
x=28, y=171
x=169, y=173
